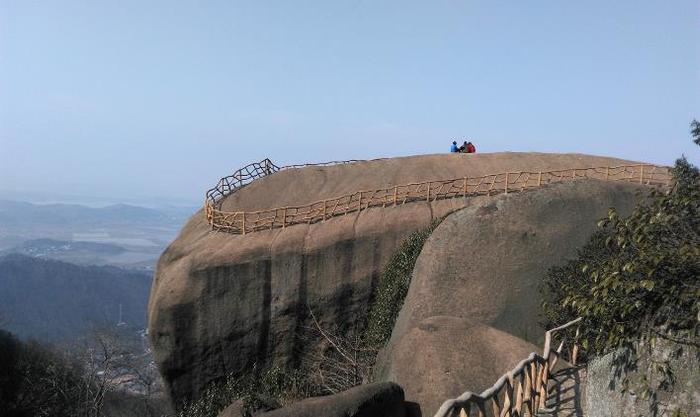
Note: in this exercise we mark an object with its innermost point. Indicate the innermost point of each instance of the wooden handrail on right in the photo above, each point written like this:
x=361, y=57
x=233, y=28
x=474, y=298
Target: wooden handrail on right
x=520, y=392
x=240, y=222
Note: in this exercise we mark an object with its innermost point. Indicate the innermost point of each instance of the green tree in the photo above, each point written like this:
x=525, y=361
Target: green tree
x=695, y=131
x=36, y=380
x=639, y=276
x=636, y=282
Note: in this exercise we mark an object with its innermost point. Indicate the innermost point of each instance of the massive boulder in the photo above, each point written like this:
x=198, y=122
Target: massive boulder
x=472, y=310
x=222, y=302
x=383, y=399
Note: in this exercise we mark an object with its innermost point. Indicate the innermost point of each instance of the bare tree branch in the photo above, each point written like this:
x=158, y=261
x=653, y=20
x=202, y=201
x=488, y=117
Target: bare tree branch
x=344, y=362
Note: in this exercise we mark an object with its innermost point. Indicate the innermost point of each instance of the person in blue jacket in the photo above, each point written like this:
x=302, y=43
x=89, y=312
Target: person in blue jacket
x=454, y=147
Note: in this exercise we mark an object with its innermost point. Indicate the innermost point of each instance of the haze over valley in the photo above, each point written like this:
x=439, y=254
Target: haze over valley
x=121, y=235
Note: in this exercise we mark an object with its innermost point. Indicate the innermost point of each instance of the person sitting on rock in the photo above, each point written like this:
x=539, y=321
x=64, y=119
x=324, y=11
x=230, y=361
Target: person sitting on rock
x=470, y=148
x=454, y=147
x=463, y=148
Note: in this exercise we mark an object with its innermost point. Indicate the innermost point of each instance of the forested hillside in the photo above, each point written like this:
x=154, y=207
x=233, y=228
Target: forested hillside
x=55, y=301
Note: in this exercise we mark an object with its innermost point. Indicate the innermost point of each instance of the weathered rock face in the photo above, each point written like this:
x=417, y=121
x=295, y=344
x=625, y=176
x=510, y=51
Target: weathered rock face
x=437, y=357
x=226, y=306
x=606, y=397
x=473, y=304
x=221, y=302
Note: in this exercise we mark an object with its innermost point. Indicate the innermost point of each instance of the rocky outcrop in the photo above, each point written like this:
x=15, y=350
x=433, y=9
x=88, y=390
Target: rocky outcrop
x=235, y=409
x=442, y=356
x=220, y=302
x=471, y=312
x=607, y=398
x=372, y=400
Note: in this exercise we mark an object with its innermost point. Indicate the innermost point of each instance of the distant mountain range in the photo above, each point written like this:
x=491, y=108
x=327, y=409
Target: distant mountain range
x=84, y=253
x=57, y=301
x=66, y=267
x=119, y=234
x=47, y=247
x=13, y=213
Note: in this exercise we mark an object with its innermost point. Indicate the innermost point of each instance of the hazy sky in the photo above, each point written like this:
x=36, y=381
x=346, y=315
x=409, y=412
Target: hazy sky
x=137, y=98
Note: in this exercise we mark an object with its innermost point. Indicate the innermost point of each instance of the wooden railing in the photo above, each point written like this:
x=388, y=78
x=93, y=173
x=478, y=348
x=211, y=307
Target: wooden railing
x=238, y=179
x=234, y=222
x=523, y=390
x=242, y=222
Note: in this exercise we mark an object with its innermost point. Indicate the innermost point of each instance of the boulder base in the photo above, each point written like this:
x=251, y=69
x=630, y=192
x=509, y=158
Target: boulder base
x=383, y=399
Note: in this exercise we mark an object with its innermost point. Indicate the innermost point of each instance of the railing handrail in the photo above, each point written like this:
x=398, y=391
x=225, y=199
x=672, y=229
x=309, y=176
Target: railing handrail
x=274, y=168
x=548, y=335
x=242, y=221
x=536, y=389
x=238, y=173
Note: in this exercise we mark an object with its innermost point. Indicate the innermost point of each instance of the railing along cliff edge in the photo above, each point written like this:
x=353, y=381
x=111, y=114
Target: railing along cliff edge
x=520, y=392
x=242, y=222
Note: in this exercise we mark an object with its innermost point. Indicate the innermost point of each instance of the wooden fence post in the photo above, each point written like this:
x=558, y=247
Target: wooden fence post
x=506, y=187
x=532, y=370
x=465, y=186
x=543, y=386
x=482, y=408
x=518, y=407
x=539, y=179
x=641, y=174
x=244, y=222
x=284, y=218
x=428, y=196
x=324, y=210
x=574, y=352
x=396, y=192
x=607, y=173
x=495, y=407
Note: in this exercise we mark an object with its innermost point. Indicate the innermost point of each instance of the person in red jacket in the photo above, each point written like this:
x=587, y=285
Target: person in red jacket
x=463, y=148
x=470, y=148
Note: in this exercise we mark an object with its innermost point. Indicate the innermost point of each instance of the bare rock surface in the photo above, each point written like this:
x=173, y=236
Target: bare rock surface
x=606, y=396
x=443, y=355
x=235, y=409
x=306, y=185
x=472, y=310
x=221, y=302
x=382, y=399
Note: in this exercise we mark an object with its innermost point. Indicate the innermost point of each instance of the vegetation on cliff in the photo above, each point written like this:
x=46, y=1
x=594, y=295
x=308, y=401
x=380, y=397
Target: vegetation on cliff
x=393, y=287
x=259, y=390
x=638, y=276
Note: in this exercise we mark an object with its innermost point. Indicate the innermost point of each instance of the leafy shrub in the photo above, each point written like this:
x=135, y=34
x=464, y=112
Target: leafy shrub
x=258, y=390
x=638, y=276
x=636, y=283
x=695, y=131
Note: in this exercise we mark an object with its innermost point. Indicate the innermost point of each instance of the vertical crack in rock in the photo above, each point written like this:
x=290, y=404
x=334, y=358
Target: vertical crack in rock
x=265, y=313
